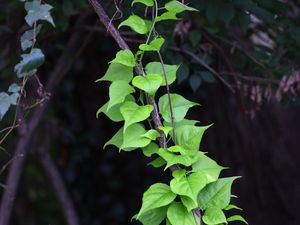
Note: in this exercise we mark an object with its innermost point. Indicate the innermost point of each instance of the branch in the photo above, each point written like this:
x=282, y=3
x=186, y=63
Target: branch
x=58, y=185
x=62, y=67
x=202, y=63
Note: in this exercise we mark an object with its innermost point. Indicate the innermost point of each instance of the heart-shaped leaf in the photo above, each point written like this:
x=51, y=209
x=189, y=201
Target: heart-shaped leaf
x=149, y=83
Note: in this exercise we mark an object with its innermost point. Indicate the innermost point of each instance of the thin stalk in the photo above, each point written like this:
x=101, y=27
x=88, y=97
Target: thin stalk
x=169, y=94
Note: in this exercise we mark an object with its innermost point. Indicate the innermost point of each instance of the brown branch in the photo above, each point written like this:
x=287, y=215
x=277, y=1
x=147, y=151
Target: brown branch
x=58, y=185
x=62, y=67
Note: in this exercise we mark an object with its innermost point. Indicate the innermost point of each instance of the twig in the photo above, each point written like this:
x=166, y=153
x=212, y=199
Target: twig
x=15, y=170
x=202, y=63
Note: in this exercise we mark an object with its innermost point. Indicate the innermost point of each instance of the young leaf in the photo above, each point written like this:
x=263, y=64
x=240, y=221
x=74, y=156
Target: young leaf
x=37, y=11
x=29, y=63
x=133, y=137
x=189, y=186
x=14, y=88
x=213, y=216
x=178, y=215
x=178, y=7
x=156, y=163
x=117, y=71
x=180, y=107
x=237, y=218
x=133, y=113
x=154, y=45
x=178, y=174
x=116, y=140
x=118, y=91
x=156, y=68
x=149, y=83
x=165, y=129
x=188, y=203
x=6, y=101
x=27, y=37
x=189, y=137
x=209, y=167
x=153, y=216
x=231, y=206
x=125, y=57
x=151, y=149
x=182, y=123
x=151, y=134
x=173, y=159
x=216, y=194
x=166, y=16
x=148, y=3
x=156, y=196
x=136, y=23
x=114, y=112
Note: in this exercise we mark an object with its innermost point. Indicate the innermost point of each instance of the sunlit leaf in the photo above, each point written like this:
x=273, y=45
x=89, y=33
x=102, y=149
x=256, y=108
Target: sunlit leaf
x=213, y=216
x=136, y=23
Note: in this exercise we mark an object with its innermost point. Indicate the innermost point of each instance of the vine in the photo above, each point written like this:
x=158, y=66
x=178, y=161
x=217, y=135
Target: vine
x=32, y=59
x=196, y=194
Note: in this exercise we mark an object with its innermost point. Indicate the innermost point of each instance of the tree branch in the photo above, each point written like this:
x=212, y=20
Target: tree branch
x=59, y=188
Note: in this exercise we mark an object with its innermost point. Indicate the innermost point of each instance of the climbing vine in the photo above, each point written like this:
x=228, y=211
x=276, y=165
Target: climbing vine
x=32, y=59
x=196, y=194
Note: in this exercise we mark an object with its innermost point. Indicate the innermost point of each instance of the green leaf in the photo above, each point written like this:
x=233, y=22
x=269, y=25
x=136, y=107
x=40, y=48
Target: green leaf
x=154, y=45
x=195, y=82
x=148, y=3
x=178, y=174
x=194, y=37
x=150, y=149
x=207, y=77
x=213, y=216
x=166, y=16
x=136, y=23
x=177, y=7
x=133, y=113
x=231, y=206
x=117, y=71
x=156, y=68
x=188, y=203
x=116, y=140
x=29, y=63
x=237, y=218
x=156, y=196
x=149, y=83
x=156, y=163
x=6, y=101
x=151, y=134
x=125, y=57
x=37, y=11
x=14, y=88
x=165, y=129
x=118, y=91
x=27, y=37
x=209, y=167
x=180, y=107
x=189, y=137
x=182, y=123
x=133, y=138
x=189, y=186
x=216, y=194
x=153, y=216
x=178, y=215
x=114, y=112
x=173, y=159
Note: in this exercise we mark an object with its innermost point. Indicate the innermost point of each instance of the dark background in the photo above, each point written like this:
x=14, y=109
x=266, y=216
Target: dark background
x=106, y=186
